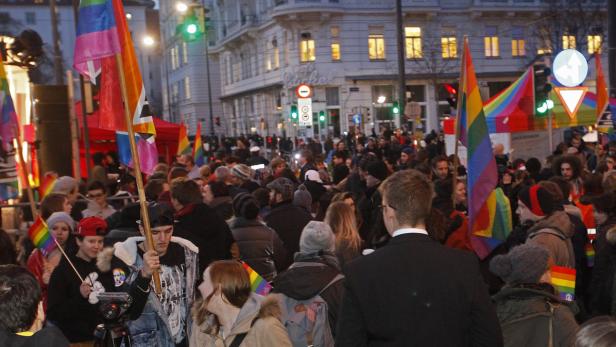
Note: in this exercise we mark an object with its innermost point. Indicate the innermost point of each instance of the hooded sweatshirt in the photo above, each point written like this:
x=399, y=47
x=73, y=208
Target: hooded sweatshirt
x=305, y=282
x=554, y=233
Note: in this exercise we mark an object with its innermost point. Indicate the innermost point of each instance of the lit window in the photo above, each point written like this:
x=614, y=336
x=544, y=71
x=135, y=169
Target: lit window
x=518, y=44
x=187, y=88
x=490, y=42
x=544, y=50
x=184, y=53
x=376, y=46
x=413, y=42
x=276, y=53
x=306, y=49
x=568, y=42
x=594, y=44
x=335, y=45
x=449, y=47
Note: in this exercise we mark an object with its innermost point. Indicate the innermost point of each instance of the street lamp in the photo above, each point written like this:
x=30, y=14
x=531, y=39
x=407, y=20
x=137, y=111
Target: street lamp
x=148, y=41
x=181, y=7
x=381, y=99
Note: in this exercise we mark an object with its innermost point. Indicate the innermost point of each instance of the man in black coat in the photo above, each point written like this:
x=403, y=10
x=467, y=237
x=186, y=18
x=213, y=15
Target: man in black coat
x=285, y=218
x=415, y=291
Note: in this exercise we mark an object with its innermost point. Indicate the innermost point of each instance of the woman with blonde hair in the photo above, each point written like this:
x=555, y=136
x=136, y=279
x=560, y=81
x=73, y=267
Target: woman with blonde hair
x=231, y=315
x=341, y=218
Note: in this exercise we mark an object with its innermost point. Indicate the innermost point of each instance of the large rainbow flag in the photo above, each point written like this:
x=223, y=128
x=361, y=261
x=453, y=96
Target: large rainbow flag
x=40, y=236
x=97, y=36
x=198, y=153
x=488, y=208
x=183, y=142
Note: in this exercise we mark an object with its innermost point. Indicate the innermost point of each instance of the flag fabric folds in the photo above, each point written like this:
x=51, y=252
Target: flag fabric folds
x=258, y=284
x=9, y=124
x=198, y=153
x=40, y=236
x=183, y=142
x=488, y=211
x=146, y=148
x=97, y=36
x=563, y=279
x=46, y=187
x=602, y=96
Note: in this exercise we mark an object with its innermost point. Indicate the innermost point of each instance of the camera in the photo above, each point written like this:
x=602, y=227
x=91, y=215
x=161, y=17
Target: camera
x=114, y=305
x=113, y=308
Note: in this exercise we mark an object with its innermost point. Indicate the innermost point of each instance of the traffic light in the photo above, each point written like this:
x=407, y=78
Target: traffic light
x=543, y=87
x=322, y=117
x=395, y=109
x=192, y=24
x=294, y=114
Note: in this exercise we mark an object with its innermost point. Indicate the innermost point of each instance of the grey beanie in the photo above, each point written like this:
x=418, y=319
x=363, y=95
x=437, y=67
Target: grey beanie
x=317, y=236
x=65, y=185
x=302, y=198
x=283, y=186
x=242, y=172
x=57, y=217
x=523, y=264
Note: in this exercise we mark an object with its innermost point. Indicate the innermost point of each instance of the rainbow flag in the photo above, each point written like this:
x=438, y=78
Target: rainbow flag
x=97, y=36
x=563, y=279
x=49, y=181
x=258, y=284
x=198, y=153
x=40, y=236
x=488, y=208
x=602, y=95
x=9, y=124
x=183, y=143
x=590, y=254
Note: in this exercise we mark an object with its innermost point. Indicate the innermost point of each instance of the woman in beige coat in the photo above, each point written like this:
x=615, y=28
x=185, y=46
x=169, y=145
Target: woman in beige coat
x=231, y=315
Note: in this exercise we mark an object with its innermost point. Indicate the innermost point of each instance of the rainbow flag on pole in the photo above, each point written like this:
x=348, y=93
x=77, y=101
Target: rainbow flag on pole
x=9, y=124
x=47, y=186
x=258, y=284
x=97, y=36
x=183, y=143
x=602, y=95
x=563, y=279
x=198, y=153
x=40, y=236
x=488, y=208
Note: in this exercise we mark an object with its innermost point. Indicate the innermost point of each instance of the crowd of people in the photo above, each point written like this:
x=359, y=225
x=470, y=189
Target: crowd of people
x=363, y=241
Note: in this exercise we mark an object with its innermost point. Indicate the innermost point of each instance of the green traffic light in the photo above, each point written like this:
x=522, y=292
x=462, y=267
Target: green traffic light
x=395, y=109
x=191, y=28
x=294, y=113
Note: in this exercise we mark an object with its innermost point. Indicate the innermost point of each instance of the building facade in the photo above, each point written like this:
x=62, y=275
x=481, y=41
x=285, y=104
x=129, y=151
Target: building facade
x=184, y=77
x=19, y=15
x=347, y=51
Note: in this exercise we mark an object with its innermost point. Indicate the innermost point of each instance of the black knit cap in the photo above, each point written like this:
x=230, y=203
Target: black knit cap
x=378, y=170
x=538, y=200
x=245, y=205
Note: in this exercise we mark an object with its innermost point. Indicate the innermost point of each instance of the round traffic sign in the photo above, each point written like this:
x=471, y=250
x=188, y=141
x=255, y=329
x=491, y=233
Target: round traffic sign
x=570, y=68
x=303, y=91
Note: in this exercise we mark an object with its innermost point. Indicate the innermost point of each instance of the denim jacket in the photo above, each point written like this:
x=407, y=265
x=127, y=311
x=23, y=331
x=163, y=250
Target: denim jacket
x=151, y=329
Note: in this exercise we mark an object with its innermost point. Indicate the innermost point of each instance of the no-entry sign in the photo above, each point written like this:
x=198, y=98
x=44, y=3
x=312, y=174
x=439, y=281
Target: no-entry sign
x=303, y=91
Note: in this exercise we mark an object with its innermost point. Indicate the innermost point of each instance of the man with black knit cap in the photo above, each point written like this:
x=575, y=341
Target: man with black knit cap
x=552, y=227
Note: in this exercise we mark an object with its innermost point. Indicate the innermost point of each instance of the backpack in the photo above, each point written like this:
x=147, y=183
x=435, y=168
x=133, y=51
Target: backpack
x=306, y=321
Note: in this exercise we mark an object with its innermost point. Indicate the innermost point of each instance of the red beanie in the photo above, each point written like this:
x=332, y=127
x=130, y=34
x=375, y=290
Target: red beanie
x=538, y=200
x=91, y=226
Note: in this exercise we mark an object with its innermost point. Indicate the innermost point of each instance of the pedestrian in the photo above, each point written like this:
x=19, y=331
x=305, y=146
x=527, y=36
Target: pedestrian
x=241, y=180
x=216, y=195
x=315, y=271
x=229, y=314
x=528, y=308
x=97, y=204
x=22, y=319
x=200, y=224
x=55, y=202
x=259, y=246
x=413, y=289
x=285, y=218
x=165, y=317
x=552, y=228
x=341, y=218
x=61, y=227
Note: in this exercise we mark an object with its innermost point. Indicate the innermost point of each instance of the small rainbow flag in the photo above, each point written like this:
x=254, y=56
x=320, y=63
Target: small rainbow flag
x=563, y=279
x=198, y=153
x=590, y=254
x=40, y=236
x=47, y=186
x=183, y=143
x=258, y=284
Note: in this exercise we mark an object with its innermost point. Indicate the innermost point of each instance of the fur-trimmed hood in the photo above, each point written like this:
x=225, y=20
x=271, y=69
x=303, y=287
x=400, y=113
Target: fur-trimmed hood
x=126, y=251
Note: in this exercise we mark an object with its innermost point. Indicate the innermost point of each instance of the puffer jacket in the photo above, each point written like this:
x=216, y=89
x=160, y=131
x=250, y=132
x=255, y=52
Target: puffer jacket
x=259, y=246
x=526, y=313
x=554, y=233
x=259, y=318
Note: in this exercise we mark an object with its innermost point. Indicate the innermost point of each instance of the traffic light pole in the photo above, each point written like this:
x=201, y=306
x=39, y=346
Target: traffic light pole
x=209, y=85
x=401, y=70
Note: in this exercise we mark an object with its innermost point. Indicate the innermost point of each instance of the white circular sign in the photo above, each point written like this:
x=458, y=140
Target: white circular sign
x=570, y=68
x=303, y=91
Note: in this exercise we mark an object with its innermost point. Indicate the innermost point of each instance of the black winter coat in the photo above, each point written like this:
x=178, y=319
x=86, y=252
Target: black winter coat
x=602, y=296
x=260, y=247
x=201, y=225
x=288, y=221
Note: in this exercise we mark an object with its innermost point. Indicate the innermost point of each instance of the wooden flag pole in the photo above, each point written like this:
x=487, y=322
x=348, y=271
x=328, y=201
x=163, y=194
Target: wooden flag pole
x=456, y=158
x=26, y=178
x=137, y=169
x=74, y=126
